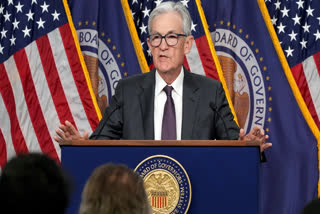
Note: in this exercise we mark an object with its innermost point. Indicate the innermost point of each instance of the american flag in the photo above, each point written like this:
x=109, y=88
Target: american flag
x=200, y=59
x=42, y=77
x=297, y=24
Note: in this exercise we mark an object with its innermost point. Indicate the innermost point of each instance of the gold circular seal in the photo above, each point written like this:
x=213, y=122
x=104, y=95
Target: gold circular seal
x=167, y=184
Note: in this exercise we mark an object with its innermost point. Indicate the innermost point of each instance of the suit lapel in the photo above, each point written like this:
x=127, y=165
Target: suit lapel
x=189, y=106
x=146, y=96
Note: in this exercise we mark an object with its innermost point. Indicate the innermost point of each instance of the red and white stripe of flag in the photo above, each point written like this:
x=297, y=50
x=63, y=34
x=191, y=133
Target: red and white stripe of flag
x=41, y=86
x=307, y=77
x=199, y=60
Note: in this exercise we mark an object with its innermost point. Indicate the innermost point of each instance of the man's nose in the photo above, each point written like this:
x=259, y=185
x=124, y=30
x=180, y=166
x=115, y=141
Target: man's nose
x=163, y=45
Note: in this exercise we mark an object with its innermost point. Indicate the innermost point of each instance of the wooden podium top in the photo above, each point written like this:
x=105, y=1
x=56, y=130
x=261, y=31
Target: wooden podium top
x=159, y=143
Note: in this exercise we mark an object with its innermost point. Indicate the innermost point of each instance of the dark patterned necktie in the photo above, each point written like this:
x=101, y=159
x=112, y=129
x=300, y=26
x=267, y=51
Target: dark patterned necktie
x=169, y=117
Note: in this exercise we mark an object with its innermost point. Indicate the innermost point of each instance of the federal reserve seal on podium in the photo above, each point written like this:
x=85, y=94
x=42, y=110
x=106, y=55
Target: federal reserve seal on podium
x=167, y=184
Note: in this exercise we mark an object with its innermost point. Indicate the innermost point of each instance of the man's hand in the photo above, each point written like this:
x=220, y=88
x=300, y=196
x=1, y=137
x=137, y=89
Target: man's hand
x=257, y=134
x=69, y=132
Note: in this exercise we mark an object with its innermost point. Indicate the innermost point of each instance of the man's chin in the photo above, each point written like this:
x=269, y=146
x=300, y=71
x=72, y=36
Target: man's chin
x=163, y=68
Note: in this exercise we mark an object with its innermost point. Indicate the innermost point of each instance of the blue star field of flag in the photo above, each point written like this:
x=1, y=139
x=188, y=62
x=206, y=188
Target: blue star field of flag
x=22, y=22
x=297, y=24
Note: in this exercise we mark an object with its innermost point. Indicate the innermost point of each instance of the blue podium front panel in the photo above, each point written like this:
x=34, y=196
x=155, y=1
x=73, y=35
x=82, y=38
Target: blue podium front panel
x=223, y=179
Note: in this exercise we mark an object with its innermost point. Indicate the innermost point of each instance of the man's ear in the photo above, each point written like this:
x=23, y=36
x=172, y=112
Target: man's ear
x=188, y=44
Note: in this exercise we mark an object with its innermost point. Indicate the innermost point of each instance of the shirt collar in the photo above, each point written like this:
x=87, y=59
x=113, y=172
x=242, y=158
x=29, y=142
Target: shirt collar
x=177, y=84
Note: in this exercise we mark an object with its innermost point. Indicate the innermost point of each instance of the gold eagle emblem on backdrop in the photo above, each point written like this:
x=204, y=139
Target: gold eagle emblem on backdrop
x=235, y=85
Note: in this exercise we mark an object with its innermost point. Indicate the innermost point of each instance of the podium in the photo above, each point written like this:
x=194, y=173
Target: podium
x=217, y=176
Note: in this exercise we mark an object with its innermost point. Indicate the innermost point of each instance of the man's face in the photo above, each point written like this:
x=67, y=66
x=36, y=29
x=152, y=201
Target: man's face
x=169, y=58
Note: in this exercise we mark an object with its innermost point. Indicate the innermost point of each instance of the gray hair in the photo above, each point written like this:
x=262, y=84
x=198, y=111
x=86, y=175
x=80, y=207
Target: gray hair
x=170, y=6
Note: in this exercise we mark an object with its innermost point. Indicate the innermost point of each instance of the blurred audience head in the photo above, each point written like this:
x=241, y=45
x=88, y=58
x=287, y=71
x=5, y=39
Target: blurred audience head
x=33, y=183
x=312, y=208
x=114, y=189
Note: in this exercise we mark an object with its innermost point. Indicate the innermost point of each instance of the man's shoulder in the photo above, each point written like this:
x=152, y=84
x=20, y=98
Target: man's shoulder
x=135, y=77
x=137, y=82
x=204, y=81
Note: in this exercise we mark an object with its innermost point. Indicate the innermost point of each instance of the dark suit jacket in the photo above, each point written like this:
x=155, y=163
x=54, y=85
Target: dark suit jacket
x=130, y=114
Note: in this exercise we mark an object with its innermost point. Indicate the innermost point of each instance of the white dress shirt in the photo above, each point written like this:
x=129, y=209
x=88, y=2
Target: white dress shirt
x=160, y=99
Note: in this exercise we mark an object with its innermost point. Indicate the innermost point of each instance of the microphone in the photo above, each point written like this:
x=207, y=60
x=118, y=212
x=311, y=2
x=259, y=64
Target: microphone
x=215, y=109
x=118, y=106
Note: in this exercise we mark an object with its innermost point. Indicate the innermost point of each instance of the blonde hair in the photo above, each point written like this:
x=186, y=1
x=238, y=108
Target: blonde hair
x=114, y=189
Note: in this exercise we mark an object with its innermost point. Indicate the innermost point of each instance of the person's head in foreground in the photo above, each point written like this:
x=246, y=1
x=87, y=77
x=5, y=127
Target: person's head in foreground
x=114, y=189
x=33, y=183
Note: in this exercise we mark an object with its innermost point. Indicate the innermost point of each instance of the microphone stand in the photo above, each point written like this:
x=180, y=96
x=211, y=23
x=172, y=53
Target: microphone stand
x=214, y=108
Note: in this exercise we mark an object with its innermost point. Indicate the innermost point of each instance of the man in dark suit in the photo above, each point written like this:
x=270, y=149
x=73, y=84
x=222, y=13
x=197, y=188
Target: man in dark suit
x=197, y=105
